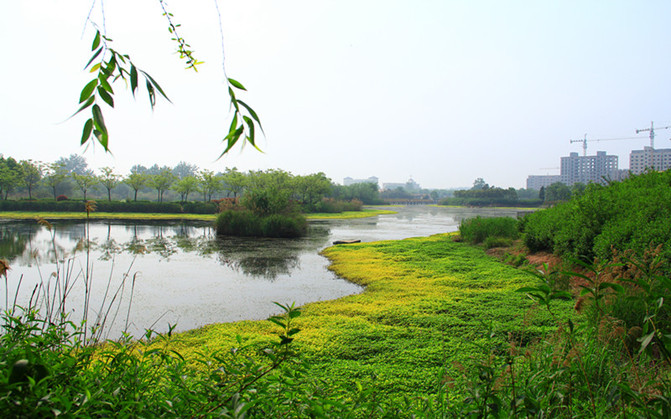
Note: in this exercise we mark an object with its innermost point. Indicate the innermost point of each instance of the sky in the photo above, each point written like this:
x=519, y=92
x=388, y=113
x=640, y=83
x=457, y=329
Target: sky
x=442, y=92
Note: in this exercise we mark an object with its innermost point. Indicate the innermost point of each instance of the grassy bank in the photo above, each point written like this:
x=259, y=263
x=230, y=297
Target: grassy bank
x=366, y=212
x=430, y=306
x=29, y=215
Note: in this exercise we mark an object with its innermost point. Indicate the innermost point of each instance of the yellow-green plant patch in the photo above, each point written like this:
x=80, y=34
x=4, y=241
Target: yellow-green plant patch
x=429, y=304
x=25, y=215
x=366, y=212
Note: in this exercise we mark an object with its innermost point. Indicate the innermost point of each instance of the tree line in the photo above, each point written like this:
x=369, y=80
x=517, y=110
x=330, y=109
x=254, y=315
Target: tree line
x=70, y=177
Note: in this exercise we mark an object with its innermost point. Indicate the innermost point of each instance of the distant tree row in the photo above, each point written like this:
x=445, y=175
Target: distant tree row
x=482, y=194
x=70, y=177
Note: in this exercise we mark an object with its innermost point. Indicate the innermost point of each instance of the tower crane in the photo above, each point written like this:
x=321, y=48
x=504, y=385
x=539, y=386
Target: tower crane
x=584, y=140
x=652, y=132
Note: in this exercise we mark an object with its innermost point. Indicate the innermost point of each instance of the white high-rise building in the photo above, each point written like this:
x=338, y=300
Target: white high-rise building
x=649, y=158
x=586, y=169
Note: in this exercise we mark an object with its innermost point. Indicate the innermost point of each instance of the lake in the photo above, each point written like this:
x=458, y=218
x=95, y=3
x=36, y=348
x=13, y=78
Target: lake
x=155, y=274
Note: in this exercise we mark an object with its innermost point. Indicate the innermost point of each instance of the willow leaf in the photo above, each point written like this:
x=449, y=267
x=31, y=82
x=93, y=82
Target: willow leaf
x=86, y=132
x=87, y=91
x=236, y=84
x=104, y=95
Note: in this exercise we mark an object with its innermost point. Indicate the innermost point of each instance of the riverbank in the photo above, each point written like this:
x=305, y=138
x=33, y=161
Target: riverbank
x=429, y=307
x=26, y=215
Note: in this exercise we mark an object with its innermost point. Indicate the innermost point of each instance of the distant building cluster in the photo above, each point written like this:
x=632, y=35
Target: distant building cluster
x=409, y=186
x=602, y=167
x=349, y=181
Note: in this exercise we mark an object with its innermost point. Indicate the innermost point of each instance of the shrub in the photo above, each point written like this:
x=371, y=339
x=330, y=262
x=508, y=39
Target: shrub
x=632, y=214
x=283, y=226
x=477, y=230
x=247, y=224
x=332, y=206
x=61, y=198
x=494, y=241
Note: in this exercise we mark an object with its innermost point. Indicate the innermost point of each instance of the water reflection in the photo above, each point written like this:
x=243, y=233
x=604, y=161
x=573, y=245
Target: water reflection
x=26, y=243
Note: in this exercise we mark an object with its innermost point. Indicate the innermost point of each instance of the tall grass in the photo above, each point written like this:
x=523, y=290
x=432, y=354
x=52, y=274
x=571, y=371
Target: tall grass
x=248, y=224
x=499, y=229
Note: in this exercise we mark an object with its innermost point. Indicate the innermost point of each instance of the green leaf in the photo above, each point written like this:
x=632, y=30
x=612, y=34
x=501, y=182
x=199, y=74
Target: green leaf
x=105, y=85
x=88, y=128
x=236, y=84
x=234, y=102
x=252, y=113
x=98, y=120
x=96, y=41
x=234, y=123
x=105, y=96
x=88, y=90
x=94, y=57
x=86, y=104
x=232, y=138
x=250, y=124
x=102, y=138
x=152, y=94
x=156, y=85
x=133, y=79
x=645, y=340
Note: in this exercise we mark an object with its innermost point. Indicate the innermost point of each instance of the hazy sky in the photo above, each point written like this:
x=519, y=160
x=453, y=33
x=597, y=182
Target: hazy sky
x=443, y=91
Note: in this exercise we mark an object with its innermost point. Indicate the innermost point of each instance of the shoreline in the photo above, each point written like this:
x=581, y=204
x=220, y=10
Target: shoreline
x=132, y=216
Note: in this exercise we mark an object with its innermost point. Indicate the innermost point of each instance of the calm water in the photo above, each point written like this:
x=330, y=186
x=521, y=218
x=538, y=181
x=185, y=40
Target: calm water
x=158, y=274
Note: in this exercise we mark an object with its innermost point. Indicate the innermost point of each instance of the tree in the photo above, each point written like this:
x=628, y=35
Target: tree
x=578, y=189
x=184, y=169
x=136, y=180
x=55, y=174
x=109, y=180
x=210, y=184
x=32, y=174
x=185, y=186
x=480, y=183
x=557, y=192
x=268, y=192
x=85, y=180
x=73, y=164
x=161, y=182
x=234, y=181
x=311, y=188
x=138, y=168
x=10, y=175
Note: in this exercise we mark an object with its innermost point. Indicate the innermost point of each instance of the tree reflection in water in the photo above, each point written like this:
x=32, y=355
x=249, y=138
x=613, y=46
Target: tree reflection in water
x=25, y=243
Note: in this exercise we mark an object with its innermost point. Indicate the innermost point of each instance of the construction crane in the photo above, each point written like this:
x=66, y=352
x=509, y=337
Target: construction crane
x=652, y=132
x=584, y=141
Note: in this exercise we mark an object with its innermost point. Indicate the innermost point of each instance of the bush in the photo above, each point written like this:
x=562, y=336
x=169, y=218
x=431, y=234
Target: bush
x=247, y=224
x=283, y=226
x=61, y=198
x=493, y=241
x=332, y=206
x=477, y=230
x=632, y=214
